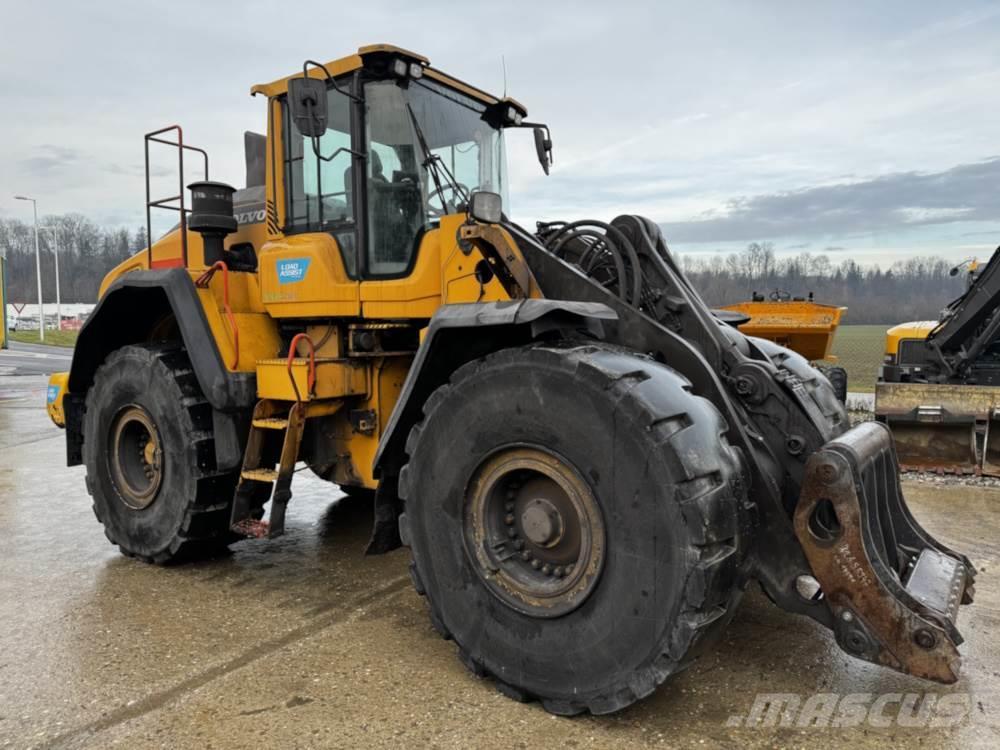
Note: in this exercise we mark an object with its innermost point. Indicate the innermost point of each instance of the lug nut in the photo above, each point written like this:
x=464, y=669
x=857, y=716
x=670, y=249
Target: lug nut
x=526, y=555
x=509, y=507
x=536, y=564
x=509, y=519
x=547, y=569
x=559, y=571
x=512, y=533
x=518, y=544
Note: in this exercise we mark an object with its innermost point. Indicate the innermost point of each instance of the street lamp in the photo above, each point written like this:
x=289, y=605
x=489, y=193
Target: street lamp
x=55, y=251
x=38, y=268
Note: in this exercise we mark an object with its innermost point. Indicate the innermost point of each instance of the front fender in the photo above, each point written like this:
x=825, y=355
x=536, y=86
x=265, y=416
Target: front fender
x=460, y=333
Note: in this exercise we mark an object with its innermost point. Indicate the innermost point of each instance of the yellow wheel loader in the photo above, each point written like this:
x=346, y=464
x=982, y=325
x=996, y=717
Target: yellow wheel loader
x=587, y=465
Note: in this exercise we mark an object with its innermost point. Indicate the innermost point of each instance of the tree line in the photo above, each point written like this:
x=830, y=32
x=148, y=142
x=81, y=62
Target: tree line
x=86, y=253
x=913, y=289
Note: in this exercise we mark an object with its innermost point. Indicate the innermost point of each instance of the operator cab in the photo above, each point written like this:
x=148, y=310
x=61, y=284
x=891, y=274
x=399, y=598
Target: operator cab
x=375, y=148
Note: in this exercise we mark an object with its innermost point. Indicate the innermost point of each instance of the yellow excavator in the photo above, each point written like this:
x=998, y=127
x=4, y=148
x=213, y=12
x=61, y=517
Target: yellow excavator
x=939, y=385
x=587, y=465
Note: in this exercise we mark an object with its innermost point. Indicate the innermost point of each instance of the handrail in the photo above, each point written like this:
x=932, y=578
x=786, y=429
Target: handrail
x=162, y=203
x=203, y=282
x=292, y=350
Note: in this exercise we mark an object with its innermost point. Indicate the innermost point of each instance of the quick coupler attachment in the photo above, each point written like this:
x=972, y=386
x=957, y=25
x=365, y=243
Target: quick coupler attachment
x=893, y=590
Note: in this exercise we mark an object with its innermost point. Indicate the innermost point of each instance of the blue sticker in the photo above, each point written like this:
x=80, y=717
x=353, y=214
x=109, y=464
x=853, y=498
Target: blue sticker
x=53, y=394
x=292, y=270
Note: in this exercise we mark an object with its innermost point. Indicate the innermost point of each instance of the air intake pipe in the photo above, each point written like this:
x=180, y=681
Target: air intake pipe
x=212, y=216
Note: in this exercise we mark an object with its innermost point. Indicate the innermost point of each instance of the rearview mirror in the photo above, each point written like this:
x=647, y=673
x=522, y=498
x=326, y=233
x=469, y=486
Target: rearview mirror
x=543, y=146
x=307, y=104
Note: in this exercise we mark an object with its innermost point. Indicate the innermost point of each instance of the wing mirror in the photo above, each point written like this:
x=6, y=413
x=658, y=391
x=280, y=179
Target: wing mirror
x=307, y=105
x=543, y=146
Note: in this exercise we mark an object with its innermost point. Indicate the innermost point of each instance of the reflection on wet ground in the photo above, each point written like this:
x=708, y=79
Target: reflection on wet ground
x=304, y=642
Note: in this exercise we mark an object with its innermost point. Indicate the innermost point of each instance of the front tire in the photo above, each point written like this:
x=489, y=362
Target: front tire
x=620, y=485
x=150, y=457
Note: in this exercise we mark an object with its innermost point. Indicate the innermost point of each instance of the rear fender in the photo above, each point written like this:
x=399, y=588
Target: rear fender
x=133, y=311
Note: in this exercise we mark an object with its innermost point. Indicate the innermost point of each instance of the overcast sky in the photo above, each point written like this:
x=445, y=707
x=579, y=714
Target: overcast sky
x=865, y=130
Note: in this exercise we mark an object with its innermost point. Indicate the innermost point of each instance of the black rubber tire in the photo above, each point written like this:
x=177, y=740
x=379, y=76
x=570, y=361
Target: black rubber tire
x=820, y=389
x=669, y=487
x=838, y=381
x=189, y=516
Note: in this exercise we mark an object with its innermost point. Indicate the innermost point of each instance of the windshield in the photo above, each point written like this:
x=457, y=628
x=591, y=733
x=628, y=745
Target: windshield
x=429, y=149
x=451, y=125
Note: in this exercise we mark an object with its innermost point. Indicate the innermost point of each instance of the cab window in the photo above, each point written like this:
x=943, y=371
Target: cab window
x=318, y=187
x=422, y=139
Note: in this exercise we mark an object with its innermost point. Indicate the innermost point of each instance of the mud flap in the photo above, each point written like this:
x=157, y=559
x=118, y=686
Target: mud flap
x=894, y=590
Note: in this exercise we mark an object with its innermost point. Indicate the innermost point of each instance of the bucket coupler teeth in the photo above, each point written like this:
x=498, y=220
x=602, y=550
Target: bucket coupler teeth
x=894, y=590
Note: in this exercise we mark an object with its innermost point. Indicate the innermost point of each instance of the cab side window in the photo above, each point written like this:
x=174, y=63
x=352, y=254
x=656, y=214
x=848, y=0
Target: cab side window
x=318, y=188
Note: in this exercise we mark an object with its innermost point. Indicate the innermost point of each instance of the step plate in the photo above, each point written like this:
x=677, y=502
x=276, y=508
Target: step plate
x=937, y=581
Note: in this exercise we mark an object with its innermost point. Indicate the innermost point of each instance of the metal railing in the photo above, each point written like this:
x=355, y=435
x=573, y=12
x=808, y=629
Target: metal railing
x=174, y=202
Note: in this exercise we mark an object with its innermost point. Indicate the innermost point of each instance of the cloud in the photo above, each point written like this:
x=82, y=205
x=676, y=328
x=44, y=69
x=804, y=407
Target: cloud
x=137, y=170
x=53, y=159
x=966, y=192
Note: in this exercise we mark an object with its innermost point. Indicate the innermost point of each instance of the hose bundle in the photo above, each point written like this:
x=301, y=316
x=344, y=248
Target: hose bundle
x=602, y=251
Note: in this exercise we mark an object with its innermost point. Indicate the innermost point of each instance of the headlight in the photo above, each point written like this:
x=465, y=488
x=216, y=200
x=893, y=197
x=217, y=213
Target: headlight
x=514, y=116
x=486, y=207
x=399, y=67
x=416, y=71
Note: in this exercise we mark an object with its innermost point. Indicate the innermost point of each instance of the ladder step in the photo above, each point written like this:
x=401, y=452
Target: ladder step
x=259, y=475
x=271, y=423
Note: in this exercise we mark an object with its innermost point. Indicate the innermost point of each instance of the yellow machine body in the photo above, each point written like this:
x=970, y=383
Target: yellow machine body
x=913, y=331
x=804, y=327
x=302, y=277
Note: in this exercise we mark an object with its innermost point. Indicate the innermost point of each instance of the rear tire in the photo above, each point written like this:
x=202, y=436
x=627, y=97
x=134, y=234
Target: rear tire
x=150, y=457
x=630, y=437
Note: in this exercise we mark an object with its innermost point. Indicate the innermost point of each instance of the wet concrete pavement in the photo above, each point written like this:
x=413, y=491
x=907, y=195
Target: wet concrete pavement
x=34, y=359
x=303, y=642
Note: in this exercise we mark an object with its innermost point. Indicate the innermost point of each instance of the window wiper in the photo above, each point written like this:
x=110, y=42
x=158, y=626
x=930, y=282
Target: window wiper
x=435, y=165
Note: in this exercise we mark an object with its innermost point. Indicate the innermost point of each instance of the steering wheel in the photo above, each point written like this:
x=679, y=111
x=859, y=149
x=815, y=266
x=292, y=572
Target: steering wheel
x=439, y=192
x=780, y=295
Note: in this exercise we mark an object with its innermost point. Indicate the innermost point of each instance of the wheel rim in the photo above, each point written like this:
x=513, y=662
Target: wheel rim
x=136, y=457
x=534, y=531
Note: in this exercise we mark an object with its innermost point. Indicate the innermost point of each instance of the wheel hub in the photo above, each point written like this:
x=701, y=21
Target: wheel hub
x=534, y=531
x=135, y=457
x=541, y=522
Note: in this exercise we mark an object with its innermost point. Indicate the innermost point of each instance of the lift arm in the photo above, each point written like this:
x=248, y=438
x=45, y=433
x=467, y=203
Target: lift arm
x=970, y=323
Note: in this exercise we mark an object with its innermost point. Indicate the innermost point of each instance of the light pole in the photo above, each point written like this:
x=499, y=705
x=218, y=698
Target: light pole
x=38, y=268
x=55, y=251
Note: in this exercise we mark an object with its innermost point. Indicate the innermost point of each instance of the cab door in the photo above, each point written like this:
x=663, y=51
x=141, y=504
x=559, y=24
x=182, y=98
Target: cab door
x=312, y=269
